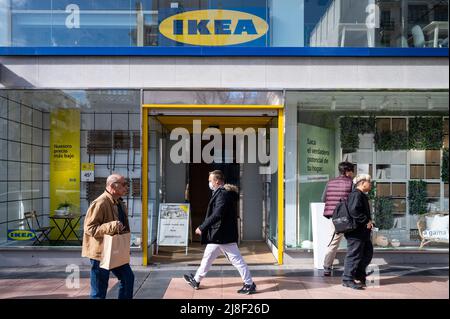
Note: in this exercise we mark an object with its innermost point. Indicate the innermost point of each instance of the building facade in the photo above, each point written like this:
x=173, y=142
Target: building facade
x=88, y=88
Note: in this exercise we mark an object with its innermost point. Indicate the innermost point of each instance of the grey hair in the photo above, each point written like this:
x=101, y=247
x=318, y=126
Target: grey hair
x=113, y=178
x=362, y=177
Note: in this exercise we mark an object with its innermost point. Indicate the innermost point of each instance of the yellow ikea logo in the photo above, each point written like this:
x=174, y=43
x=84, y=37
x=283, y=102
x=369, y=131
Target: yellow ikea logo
x=213, y=27
x=19, y=234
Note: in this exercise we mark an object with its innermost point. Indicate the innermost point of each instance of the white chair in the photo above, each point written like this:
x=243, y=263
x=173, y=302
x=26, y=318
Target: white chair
x=418, y=37
x=346, y=30
x=433, y=227
x=419, y=40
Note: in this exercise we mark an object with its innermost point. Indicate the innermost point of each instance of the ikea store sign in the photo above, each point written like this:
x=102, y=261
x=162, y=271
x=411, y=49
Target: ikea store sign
x=213, y=27
x=19, y=234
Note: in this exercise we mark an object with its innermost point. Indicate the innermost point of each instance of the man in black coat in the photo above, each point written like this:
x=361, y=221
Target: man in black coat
x=219, y=231
x=359, y=244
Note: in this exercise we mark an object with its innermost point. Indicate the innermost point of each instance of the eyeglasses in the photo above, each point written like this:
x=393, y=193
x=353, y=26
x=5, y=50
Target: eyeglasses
x=123, y=184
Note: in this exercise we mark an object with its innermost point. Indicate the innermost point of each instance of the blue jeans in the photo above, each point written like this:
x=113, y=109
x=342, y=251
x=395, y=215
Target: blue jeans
x=100, y=278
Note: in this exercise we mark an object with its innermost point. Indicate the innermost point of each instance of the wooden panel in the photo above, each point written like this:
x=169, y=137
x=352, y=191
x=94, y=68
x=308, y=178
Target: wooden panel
x=136, y=136
x=136, y=187
x=99, y=142
x=433, y=190
x=433, y=171
x=398, y=125
x=383, y=125
x=417, y=172
x=121, y=140
x=399, y=205
x=383, y=189
x=433, y=157
x=446, y=190
x=95, y=189
x=399, y=189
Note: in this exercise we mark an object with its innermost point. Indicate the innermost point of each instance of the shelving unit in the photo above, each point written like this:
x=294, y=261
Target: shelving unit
x=392, y=171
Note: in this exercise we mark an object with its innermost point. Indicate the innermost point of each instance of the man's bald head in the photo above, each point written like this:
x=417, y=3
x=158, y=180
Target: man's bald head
x=114, y=178
x=116, y=185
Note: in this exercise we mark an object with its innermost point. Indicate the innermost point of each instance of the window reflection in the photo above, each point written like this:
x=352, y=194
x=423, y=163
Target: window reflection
x=315, y=23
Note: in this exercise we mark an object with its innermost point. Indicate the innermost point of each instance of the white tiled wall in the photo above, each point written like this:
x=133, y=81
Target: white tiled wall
x=21, y=156
x=3, y=150
x=24, y=160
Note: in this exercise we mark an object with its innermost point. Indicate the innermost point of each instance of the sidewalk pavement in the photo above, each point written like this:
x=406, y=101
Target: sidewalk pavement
x=222, y=282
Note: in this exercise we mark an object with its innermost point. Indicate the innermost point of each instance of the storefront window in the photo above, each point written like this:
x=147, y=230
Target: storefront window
x=256, y=23
x=400, y=139
x=56, y=149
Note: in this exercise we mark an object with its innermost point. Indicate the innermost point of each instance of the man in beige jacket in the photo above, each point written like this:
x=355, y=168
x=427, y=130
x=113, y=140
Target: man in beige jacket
x=107, y=216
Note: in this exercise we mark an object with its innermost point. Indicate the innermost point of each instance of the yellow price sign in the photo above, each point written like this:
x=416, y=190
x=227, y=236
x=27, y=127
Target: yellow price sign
x=87, y=172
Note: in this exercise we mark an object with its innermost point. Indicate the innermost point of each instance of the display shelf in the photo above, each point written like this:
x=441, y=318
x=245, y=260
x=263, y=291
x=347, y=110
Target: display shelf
x=392, y=170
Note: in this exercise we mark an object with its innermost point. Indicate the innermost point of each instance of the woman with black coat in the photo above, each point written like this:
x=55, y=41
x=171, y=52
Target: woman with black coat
x=359, y=244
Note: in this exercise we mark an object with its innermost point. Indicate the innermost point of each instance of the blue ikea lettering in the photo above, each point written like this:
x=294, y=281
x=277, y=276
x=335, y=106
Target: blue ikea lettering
x=213, y=27
x=178, y=27
x=220, y=27
x=245, y=26
x=198, y=27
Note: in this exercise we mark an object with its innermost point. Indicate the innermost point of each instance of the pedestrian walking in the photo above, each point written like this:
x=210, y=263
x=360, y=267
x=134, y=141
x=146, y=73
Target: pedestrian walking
x=107, y=215
x=359, y=244
x=219, y=231
x=336, y=189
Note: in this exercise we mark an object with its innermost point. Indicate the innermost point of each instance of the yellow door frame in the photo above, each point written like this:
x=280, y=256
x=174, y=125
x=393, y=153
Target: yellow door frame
x=145, y=113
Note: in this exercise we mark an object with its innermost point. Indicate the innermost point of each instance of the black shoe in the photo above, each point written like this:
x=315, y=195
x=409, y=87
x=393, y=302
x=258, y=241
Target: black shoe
x=191, y=281
x=247, y=289
x=326, y=272
x=370, y=272
x=362, y=282
x=352, y=284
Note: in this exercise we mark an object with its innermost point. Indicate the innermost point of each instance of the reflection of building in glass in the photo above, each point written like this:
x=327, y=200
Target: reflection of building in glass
x=348, y=23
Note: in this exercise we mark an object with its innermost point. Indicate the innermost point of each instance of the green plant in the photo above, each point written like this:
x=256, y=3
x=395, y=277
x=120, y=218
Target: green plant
x=384, y=219
x=388, y=141
x=426, y=133
x=417, y=197
x=351, y=127
x=444, y=168
x=373, y=191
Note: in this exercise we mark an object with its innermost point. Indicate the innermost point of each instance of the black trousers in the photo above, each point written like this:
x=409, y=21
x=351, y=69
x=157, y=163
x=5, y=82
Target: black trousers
x=359, y=255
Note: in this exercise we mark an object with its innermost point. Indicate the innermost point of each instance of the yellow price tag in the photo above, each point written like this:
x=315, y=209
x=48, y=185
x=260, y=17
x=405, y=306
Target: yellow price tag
x=184, y=208
x=87, y=166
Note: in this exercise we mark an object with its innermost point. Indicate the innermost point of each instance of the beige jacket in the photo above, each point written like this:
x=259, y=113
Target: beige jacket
x=101, y=219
